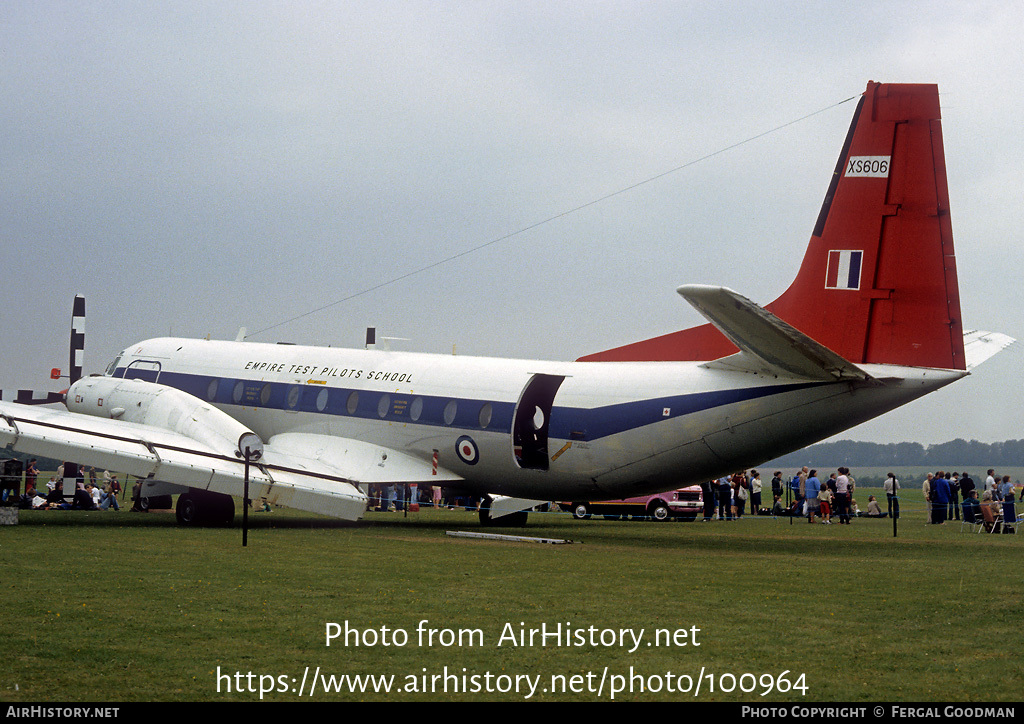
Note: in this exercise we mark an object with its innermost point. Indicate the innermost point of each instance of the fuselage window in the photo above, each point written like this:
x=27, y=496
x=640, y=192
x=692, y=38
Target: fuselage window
x=293, y=397
x=265, y=394
x=485, y=414
x=416, y=409
x=321, y=400
x=211, y=391
x=353, y=403
x=236, y=394
x=383, y=405
x=449, y=412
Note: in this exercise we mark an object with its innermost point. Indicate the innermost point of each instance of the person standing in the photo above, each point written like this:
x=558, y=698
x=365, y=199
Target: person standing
x=31, y=473
x=777, y=485
x=724, y=498
x=797, y=485
x=825, y=497
x=755, y=492
x=940, y=497
x=811, y=489
x=707, y=493
x=990, y=482
x=1007, y=492
x=953, y=509
x=843, y=495
x=739, y=484
x=966, y=485
x=926, y=488
x=136, y=497
x=891, y=486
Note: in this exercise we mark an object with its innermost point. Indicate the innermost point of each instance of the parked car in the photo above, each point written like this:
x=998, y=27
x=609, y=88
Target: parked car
x=684, y=503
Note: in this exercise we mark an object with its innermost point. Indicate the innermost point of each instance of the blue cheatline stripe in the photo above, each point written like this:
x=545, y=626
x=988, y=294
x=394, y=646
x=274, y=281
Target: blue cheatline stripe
x=567, y=423
x=601, y=422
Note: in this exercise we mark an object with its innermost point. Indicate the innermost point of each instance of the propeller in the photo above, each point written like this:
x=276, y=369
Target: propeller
x=77, y=358
x=39, y=397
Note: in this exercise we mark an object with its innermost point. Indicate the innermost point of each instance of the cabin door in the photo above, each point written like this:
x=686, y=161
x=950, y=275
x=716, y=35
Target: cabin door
x=531, y=422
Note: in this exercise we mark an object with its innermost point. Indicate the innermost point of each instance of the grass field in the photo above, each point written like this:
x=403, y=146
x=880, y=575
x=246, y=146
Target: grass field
x=104, y=606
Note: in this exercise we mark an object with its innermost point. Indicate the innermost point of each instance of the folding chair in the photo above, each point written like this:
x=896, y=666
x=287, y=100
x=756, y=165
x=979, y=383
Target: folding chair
x=997, y=523
x=988, y=518
x=1011, y=524
x=973, y=525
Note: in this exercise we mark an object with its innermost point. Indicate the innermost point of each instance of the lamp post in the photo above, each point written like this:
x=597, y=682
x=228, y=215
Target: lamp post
x=251, y=450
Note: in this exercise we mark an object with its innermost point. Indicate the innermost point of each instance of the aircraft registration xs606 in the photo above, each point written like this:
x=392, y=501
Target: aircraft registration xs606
x=871, y=322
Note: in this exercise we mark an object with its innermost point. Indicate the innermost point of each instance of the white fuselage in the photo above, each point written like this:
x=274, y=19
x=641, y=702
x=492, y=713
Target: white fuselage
x=533, y=429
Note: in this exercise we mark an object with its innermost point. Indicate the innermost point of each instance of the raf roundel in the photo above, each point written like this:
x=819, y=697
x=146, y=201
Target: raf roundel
x=466, y=449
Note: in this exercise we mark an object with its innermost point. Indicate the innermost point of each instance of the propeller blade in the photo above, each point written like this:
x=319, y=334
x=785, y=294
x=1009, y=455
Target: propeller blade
x=77, y=339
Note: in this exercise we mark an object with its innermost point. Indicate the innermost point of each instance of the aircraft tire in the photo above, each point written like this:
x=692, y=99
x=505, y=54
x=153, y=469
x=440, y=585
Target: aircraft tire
x=513, y=520
x=201, y=507
x=157, y=502
x=187, y=510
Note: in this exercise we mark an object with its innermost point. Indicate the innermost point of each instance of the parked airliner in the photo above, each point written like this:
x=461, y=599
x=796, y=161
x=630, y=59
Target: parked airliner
x=871, y=322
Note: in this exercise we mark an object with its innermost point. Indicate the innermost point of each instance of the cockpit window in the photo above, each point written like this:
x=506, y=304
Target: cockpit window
x=113, y=365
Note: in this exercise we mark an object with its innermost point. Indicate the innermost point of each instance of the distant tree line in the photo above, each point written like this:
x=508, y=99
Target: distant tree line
x=954, y=453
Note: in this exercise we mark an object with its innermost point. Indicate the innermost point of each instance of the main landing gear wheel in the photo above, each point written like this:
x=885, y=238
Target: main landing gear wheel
x=201, y=507
x=157, y=502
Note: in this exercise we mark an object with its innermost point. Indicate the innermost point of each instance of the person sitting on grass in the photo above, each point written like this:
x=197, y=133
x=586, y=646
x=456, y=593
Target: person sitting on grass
x=82, y=500
x=108, y=499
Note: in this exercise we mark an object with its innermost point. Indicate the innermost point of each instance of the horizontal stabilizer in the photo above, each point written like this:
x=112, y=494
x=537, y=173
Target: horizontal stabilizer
x=979, y=346
x=767, y=344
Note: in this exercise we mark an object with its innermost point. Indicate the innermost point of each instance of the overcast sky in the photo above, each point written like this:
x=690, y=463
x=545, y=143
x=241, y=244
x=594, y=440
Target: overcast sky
x=192, y=168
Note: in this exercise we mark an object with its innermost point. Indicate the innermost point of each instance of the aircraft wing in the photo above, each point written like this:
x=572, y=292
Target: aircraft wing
x=316, y=473
x=767, y=344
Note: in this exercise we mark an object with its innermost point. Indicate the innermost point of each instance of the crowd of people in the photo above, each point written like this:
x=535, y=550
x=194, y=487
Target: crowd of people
x=828, y=500
x=803, y=495
x=89, y=493
x=994, y=506
x=383, y=497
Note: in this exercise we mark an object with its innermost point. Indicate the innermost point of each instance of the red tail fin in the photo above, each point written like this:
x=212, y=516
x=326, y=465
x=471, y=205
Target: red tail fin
x=878, y=281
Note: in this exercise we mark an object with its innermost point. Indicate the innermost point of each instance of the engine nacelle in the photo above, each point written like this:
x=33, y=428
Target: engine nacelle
x=150, y=403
